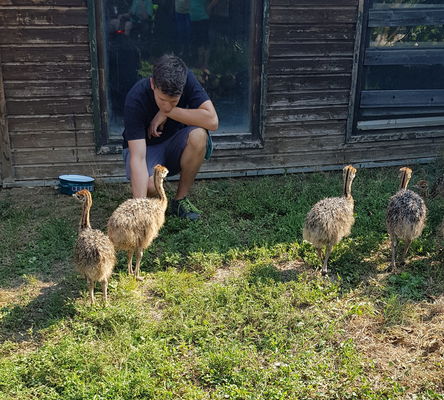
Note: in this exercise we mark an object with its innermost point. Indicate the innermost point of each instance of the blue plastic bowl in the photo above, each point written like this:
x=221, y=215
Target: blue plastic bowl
x=70, y=184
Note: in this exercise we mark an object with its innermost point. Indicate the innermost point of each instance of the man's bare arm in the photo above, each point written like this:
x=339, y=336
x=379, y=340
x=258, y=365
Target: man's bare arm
x=138, y=167
x=205, y=116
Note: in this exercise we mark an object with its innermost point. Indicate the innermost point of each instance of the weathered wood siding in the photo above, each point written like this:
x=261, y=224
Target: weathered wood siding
x=46, y=128
x=46, y=68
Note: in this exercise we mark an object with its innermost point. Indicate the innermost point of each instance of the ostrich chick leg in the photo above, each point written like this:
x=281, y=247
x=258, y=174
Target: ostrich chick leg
x=327, y=255
x=139, y=255
x=393, y=246
x=91, y=290
x=130, y=262
x=407, y=246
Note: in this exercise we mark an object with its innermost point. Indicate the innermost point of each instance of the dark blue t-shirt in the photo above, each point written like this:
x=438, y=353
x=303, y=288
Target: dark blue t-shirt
x=141, y=108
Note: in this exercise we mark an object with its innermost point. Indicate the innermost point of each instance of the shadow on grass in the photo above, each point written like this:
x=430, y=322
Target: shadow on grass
x=53, y=303
x=38, y=229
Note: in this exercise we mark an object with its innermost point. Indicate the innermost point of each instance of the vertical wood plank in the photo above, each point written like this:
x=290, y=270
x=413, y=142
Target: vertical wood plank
x=6, y=171
x=357, y=55
x=98, y=82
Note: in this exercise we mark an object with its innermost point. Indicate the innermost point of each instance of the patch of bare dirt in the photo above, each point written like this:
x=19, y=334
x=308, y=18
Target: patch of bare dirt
x=410, y=354
x=227, y=272
x=289, y=270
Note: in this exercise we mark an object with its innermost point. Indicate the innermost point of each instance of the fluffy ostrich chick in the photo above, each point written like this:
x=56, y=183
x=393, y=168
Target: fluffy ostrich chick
x=331, y=219
x=406, y=216
x=94, y=254
x=136, y=222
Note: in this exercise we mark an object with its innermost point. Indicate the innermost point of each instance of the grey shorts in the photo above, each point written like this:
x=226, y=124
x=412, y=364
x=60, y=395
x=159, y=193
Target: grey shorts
x=167, y=153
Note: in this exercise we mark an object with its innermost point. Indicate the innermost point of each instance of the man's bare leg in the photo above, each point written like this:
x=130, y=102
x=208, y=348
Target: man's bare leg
x=151, y=189
x=191, y=161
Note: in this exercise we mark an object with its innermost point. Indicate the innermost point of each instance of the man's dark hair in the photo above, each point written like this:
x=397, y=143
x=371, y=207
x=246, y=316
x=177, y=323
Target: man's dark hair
x=170, y=75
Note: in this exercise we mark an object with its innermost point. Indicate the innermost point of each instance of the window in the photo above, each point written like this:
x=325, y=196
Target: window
x=220, y=41
x=399, y=76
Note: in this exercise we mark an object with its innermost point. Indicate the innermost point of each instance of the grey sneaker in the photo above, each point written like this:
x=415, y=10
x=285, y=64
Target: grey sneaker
x=183, y=208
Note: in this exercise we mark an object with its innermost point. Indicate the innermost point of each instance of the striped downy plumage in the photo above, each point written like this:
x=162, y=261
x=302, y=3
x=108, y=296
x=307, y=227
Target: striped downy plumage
x=136, y=222
x=406, y=216
x=94, y=254
x=331, y=219
x=422, y=188
x=437, y=187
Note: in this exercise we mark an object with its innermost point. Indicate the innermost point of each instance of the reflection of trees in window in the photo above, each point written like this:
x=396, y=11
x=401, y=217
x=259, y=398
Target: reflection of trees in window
x=423, y=35
x=405, y=3
x=228, y=68
x=418, y=31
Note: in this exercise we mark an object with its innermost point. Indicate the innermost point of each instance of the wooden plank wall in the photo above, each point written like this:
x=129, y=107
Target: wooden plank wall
x=46, y=67
x=45, y=60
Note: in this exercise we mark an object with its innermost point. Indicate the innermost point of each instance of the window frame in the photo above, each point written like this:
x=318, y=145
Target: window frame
x=402, y=128
x=106, y=144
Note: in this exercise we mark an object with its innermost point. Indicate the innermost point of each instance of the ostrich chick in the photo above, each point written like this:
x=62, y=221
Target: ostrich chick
x=94, y=253
x=136, y=222
x=406, y=215
x=438, y=187
x=331, y=219
x=423, y=189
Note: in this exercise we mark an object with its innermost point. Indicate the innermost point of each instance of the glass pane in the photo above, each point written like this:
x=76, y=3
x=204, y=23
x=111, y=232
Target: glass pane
x=407, y=36
x=212, y=36
x=384, y=4
x=403, y=77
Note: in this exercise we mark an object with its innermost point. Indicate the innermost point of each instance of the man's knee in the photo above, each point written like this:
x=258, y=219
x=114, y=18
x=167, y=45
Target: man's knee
x=198, y=139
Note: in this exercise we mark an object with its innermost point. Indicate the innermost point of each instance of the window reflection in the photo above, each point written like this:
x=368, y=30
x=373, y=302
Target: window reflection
x=407, y=37
x=212, y=36
x=404, y=77
x=381, y=4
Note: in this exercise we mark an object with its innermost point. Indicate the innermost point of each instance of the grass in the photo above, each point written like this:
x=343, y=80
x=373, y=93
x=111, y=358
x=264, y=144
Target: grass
x=232, y=306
